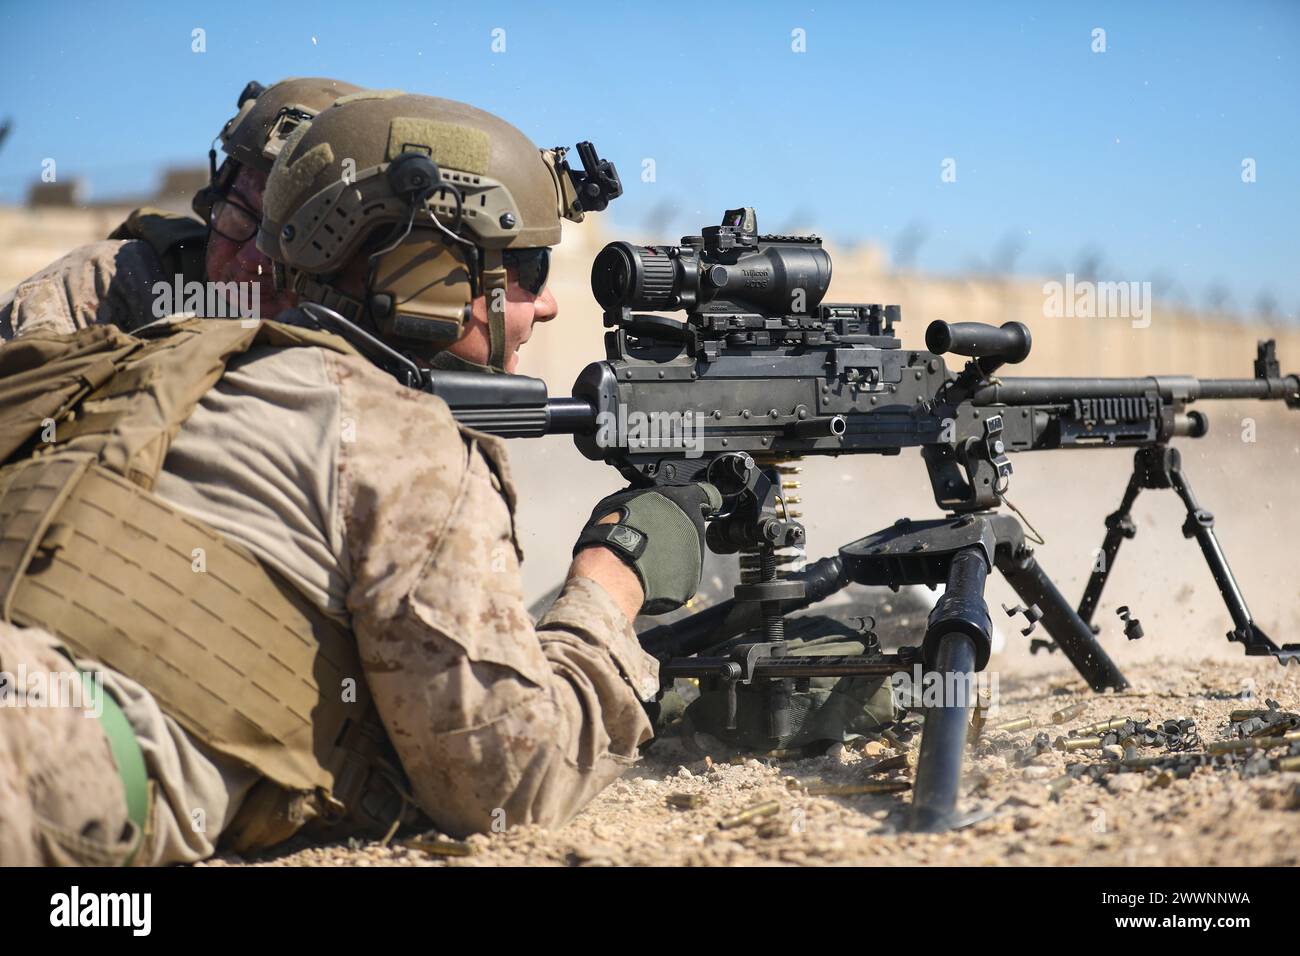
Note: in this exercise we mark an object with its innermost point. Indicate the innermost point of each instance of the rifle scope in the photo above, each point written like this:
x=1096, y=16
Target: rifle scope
x=727, y=268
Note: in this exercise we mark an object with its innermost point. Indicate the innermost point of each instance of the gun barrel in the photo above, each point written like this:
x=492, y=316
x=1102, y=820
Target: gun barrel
x=1030, y=391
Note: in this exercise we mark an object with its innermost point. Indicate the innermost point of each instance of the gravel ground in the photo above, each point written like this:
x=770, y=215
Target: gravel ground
x=1213, y=817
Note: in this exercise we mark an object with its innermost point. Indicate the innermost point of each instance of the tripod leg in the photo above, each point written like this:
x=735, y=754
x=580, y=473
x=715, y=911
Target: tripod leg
x=1200, y=525
x=1067, y=628
x=1119, y=525
x=938, y=768
x=958, y=622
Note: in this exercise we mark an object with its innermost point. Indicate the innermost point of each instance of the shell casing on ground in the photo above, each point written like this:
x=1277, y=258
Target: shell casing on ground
x=1101, y=727
x=896, y=762
x=1239, y=715
x=757, y=812
x=439, y=847
x=1069, y=713
x=857, y=789
x=1249, y=743
x=1011, y=726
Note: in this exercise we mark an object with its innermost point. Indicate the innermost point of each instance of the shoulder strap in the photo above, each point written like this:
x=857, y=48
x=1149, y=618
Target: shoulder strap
x=122, y=398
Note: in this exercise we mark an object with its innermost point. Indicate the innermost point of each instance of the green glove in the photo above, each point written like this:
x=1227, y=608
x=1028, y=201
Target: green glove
x=660, y=534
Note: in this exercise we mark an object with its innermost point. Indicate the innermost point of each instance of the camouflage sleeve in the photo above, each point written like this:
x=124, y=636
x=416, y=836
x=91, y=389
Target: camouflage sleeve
x=495, y=721
x=108, y=281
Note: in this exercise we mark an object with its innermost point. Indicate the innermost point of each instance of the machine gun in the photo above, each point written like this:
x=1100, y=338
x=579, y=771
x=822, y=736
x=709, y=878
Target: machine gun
x=763, y=372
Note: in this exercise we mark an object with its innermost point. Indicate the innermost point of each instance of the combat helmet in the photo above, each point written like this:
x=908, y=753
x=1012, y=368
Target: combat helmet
x=440, y=197
x=266, y=116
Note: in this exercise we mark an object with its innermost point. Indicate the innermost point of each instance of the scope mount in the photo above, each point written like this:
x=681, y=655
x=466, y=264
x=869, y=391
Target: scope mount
x=709, y=333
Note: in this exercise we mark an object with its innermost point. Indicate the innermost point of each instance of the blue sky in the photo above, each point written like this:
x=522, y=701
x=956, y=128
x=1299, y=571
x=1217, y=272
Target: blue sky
x=1129, y=159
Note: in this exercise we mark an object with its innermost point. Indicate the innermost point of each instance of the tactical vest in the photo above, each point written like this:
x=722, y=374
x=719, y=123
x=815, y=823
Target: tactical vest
x=180, y=242
x=88, y=552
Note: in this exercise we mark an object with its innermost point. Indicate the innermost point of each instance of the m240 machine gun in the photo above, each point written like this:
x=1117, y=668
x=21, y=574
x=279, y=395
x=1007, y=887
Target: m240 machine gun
x=763, y=372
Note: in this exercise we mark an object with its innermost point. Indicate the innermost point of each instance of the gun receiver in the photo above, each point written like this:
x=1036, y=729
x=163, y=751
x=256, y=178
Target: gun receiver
x=762, y=372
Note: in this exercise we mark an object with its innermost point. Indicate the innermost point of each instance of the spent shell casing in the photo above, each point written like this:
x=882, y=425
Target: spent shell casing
x=1248, y=743
x=1069, y=713
x=757, y=812
x=1288, y=763
x=788, y=753
x=1011, y=726
x=1266, y=731
x=686, y=801
x=1147, y=763
x=891, y=738
x=1101, y=727
x=1078, y=743
x=802, y=783
x=439, y=847
x=854, y=789
x=896, y=762
x=1239, y=715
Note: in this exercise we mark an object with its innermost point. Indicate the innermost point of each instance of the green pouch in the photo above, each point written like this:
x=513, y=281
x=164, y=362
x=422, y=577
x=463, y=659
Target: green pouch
x=830, y=709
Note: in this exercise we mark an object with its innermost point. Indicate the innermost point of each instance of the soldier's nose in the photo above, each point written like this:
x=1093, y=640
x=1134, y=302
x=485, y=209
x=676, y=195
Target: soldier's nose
x=545, y=307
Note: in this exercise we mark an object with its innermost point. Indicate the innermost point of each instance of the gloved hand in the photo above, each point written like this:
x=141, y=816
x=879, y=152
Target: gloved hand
x=660, y=534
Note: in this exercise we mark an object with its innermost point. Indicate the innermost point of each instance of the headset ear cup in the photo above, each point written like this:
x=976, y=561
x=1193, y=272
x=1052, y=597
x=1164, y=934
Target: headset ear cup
x=421, y=291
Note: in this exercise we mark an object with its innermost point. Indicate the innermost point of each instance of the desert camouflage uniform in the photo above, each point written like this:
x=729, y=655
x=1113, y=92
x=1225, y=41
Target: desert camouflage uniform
x=107, y=281
x=376, y=505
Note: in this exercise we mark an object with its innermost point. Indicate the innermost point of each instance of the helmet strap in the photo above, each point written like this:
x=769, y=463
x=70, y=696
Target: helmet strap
x=494, y=285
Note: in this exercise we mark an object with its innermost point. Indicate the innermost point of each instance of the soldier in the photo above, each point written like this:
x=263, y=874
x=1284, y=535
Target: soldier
x=113, y=280
x=297, y=579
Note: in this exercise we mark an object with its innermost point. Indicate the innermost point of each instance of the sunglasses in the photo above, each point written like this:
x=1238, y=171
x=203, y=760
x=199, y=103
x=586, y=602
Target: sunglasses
x=532, y=266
